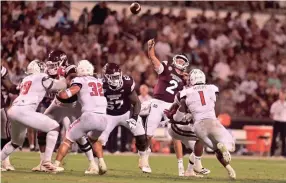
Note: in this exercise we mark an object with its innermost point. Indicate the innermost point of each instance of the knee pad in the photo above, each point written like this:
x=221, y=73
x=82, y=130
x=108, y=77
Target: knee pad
x=141, y=142
x=84, y=147
x=41, y=136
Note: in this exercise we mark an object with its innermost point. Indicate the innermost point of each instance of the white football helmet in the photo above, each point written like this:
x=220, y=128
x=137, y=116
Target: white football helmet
x=197, y=77
x=84, y=68
x=35, y=67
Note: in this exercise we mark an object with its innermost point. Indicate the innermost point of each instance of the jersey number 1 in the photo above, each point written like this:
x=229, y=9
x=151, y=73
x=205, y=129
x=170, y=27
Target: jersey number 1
x=25, y=87
x=96, y=89
x=202, y=96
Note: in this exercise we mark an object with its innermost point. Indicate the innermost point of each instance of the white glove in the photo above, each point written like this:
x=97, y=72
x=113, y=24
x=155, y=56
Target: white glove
x=132, y=123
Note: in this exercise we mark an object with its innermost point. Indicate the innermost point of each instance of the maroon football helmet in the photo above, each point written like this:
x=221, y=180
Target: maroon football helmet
x=113, y=75
x=56, y=59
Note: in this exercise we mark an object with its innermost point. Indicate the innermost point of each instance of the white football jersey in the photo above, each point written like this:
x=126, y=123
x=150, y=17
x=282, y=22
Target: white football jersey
x=200, y=100
x=91, y=96
x=32, y=90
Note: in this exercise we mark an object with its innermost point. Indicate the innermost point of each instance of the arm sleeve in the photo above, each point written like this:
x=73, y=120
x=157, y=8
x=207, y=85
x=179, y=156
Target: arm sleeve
x=54, y=84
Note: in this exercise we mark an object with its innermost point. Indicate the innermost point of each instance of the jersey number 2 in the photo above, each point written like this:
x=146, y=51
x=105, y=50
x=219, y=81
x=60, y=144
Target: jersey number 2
x=174, y=85
x=25, y=87
x=96, y=89
x=202, y=96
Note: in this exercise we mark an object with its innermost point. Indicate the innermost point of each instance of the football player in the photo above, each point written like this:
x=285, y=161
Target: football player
x=170, y=81
x=123, y=109
x=6, y=87
x=183, y=131
x=23, y=112
x=90, y=95
x=61, y=108
x=200, y=100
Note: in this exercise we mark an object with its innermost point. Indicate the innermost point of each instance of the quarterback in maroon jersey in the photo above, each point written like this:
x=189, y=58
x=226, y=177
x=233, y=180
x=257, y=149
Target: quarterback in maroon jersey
x=170, y=81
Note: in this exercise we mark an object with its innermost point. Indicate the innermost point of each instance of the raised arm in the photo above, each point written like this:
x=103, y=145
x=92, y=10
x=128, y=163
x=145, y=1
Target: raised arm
x=71, y=91
x=54, y=84
x=155, y=61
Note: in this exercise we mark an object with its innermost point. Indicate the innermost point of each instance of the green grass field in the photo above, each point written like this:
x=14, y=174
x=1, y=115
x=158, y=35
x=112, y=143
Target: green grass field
x=123, y=169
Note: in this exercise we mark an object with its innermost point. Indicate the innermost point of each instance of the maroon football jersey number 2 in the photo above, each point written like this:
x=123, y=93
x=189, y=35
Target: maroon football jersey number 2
x=174, y=85
x=96, y=89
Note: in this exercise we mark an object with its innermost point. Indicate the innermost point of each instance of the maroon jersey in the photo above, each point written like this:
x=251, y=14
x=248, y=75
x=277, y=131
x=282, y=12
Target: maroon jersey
x=118, y=100
x=169, y=83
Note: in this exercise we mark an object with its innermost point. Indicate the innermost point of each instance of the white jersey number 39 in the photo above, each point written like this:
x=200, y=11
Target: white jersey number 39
x=174, y=85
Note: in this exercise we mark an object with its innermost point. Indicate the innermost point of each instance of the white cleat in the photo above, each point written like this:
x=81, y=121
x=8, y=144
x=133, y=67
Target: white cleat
x=226, y=155
x=59, y=169
x=92, y=171
x=49, y=167
x=181, y=171
x=102, y=166
x=231, y=173
x=192, y=173
x=7, y=165
x=146, y=169
x=203, y=171
x=37, y=168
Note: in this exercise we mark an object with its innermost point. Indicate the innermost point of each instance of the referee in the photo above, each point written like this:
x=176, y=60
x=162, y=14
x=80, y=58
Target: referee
x=278, y=114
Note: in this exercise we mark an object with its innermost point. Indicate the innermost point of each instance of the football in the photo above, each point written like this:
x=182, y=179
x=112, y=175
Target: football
x=135, y=8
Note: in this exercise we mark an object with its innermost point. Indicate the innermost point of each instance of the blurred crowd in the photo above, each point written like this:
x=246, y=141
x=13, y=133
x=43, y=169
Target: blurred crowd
x=248, y=63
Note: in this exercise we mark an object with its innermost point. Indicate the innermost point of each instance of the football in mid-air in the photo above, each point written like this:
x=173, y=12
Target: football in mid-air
x=135, y=8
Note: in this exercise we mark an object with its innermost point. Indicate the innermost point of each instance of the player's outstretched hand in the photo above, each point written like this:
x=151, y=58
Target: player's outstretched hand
x=132, y=123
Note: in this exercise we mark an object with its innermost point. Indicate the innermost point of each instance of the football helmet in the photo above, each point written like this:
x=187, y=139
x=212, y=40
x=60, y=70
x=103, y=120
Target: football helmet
x=113, y=75
x=56, y=59
x=84, y=68
x=197, y=77
x=181, y=61
x=35, y=66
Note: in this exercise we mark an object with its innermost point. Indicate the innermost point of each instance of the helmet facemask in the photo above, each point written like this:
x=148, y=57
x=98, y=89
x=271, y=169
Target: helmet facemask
x=181, y=62
x=115, y=80
x=52, y=67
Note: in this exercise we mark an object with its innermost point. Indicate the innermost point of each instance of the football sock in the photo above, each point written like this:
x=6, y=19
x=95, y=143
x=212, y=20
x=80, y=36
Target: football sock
x=52, y=137
x=7, y=150
x=198, y=162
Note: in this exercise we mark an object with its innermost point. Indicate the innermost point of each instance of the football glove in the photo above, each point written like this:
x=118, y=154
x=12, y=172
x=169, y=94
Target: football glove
x=132, y=123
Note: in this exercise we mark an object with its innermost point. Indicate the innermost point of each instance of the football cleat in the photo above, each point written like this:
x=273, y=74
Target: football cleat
x=192, y=173
x=92, y=171
x=203, y=171
x=7, y=165
x=49, y=167
x=146, y=169
x=102, y=166
x=231, y=174
x=37, y=168
x=226, y=155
